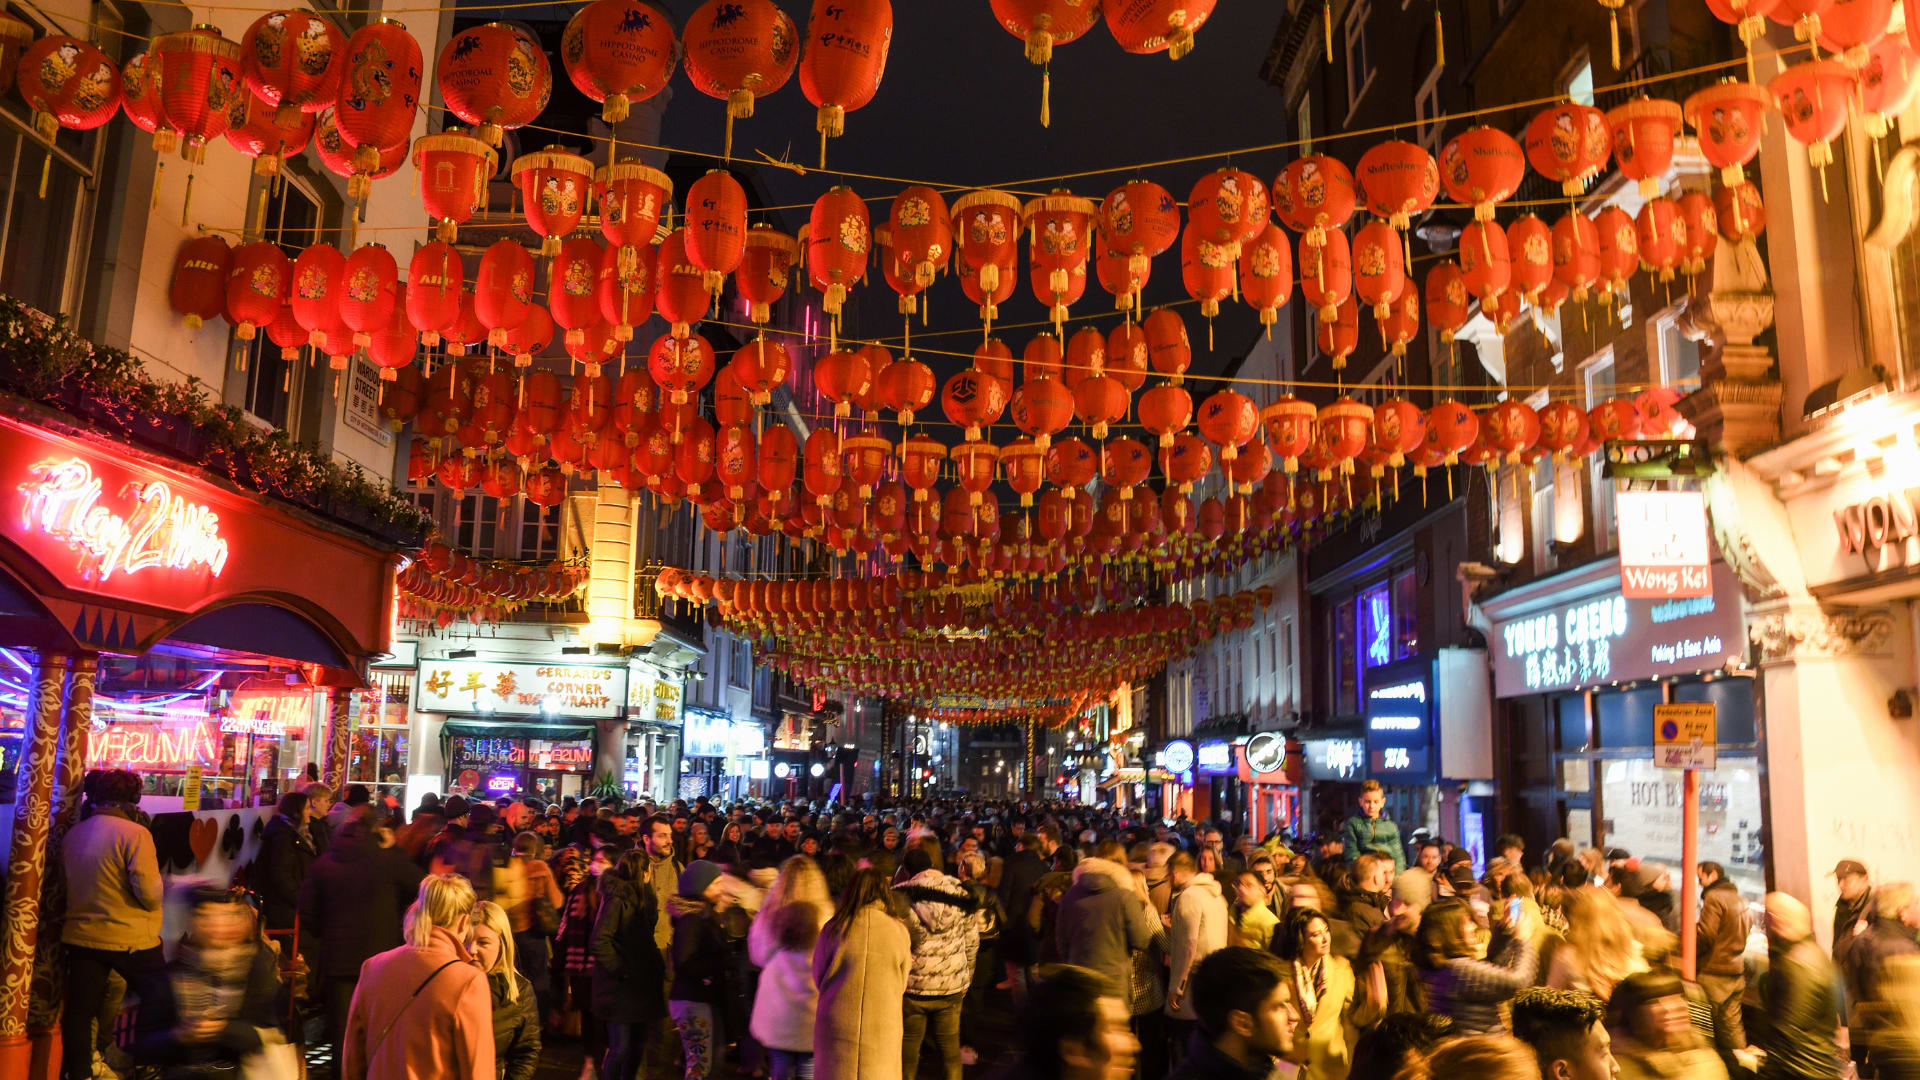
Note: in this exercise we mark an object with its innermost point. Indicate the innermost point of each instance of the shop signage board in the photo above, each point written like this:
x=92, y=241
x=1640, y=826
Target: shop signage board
x=1686, y=735
x=1214, y=756
x=485, y=688
x=190, y=789
x=1604, y=636
x=1664, y=553
x=1399, y=713
x=1177, y=756
x=1267, y=752
x=706, y=733
x=654, y=696
x=1335, y=759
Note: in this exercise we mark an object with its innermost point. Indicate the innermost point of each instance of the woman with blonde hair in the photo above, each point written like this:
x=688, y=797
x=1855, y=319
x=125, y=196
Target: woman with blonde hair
x=423, y=1009
x=516, y=1020
x=1483, y=1057
x=800, y=882
x=1600, y=949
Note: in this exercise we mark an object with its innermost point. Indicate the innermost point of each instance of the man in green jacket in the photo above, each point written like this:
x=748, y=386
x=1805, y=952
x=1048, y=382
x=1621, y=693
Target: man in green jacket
x=1371, y=830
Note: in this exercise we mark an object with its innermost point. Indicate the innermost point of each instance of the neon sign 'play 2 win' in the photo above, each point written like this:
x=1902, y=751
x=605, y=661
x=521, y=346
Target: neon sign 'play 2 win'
x=161, y=529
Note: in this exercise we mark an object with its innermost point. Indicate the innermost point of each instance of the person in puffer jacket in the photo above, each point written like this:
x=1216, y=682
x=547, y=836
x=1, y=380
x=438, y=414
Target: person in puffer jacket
x=1196, y=928
x=946, y=935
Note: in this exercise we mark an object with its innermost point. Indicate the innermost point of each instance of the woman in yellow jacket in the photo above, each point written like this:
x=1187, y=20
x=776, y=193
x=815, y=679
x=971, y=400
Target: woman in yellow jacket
x=1332, y=1006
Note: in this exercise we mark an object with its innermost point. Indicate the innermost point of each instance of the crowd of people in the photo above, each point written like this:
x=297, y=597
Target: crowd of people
x=796, y=941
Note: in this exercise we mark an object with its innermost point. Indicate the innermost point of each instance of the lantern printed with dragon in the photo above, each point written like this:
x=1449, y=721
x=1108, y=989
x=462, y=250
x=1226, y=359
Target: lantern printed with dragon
x=618, y=52
x=379, y=92
x=495, y=77
x=199, y=80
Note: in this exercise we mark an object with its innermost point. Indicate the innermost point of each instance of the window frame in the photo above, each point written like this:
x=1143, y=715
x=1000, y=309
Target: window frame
x=261, y=353
x=1354, y=31
x=1601, y=504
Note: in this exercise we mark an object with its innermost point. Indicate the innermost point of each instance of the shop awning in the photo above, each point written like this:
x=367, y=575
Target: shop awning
x=1124, y=776
x=506, y=729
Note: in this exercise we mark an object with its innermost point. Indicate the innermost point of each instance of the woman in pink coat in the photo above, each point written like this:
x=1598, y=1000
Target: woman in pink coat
x=423, y=1010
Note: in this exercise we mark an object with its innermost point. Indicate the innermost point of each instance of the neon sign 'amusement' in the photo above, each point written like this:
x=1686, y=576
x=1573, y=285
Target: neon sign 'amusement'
x=163, y=529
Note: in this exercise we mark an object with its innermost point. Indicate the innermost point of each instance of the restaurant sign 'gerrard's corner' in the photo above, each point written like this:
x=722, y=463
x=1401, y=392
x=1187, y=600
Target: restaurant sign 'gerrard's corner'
x=475, y=687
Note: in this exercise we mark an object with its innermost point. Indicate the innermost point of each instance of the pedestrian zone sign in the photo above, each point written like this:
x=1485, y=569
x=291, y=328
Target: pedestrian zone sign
x=1685, y=736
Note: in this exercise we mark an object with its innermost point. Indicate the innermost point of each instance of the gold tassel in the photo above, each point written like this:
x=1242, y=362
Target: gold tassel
x=260, y=216
x=1613, y=27
x=46, y=169
x=187, y=201
x=1439, y=38
x=1046, y=97
x=1326, y=21
x=153, y=200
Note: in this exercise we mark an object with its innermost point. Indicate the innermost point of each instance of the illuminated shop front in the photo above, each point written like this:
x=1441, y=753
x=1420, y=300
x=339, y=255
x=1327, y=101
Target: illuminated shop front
x=1578, y=668
x=520, y=729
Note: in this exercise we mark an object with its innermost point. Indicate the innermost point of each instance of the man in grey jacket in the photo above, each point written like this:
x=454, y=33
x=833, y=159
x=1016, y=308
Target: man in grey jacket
x=1103, y=922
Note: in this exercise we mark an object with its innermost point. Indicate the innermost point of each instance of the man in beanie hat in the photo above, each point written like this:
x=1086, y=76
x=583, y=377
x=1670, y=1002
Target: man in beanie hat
x=698, y=993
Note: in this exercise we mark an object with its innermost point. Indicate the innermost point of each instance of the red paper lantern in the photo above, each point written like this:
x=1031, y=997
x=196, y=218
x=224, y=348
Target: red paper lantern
x=1314, y=196
x=618, y=53
x=844, y=59
x=1802, y=15
x=1739, y=213
x=681, y=294
x=973, y=400
x=1661, y=234
x=379, y=92
x=1569, y=144
x=1289, y=424
x=1576, y=253
x=1888, y=83
x=1486, y=265
x=1379, y=277
x=494, y=77
x=1070, y=463
x=1343, y=426
x=821, y=466
x=1060, y=229
x=1447, y=299
x=572, y=287
x=625, y=287
x=1402, y=323
x=1116, y=271
x=1614, y=420
x=454, y=169
x=338, y=156
x=1099, y=401
x=1512, y=427
x=1041, y=407
x=140, y=96
x=738, y=51
x=68, y=83
x=1729, y=117
x=988, y=226
x=920, y=459
x=1229, y=420
x=554, y=186
x=15, y=35
x=843, y=378
x=1230, y=205
x=1482, y=166
x=1167, y=346
x=1697, y=227
x=1530, y=250
x=1042, y=358
x=759, y=366
x=1812, y=99
x=1042, y=24
x=1153, y=26
x=1563, y=427
x=1127, y=355
x=922, y=234
x=764, y=268
x=733, y=451
x=1166, y=411
x=199, y=79
x=256, y=134
x=531, y=337
x=318, y=274
x=367, y=291
x=838, y=238
x=1399, y=429
x=779, y=458
x=1399, y=181
x=681, y=366
x=716, y=233
x=503, y=289
x=293, y=60
x=1452, y=429
x=1338, y=339
x=392, y=346
x=199, y=288
x=1326, y=274
x=1139, y=220
x=906, y=387
x=695, y=457
x=258, y=277
x=1643, y=139
x=631, y=197
x=1207, y=270
x=1024, y=467
x=1619, y=248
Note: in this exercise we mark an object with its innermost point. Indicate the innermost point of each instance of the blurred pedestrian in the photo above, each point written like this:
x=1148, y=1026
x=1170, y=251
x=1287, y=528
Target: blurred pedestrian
x=787, y=999
x=700, y=963
x=1072, y=1028
x=1853, y=911
x=516, y=1020
x=351, y=907
x=1196, y=929
x=1486, y=1057
x=1567, y=1031
x=1461, y=985
x=1800, y=994
x=1722, y=933
x=218, y=1009
x=1653, y=1038
x=628, y=994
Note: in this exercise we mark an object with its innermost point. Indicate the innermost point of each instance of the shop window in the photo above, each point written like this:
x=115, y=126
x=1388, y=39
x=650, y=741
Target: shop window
x=1570, y=722
x=1406, y=621
x=1303, y=124
x=1541, y=513
x=1626, y=717
x=1679, y=356
x=1286, y=655
x=476, y=520
x=1359, y=56
x=740, y=663
x=1376, y=627
x=1579, y=81
x=1733, y=698
x=539, y=531
x=1346, y=669
x=276, y=390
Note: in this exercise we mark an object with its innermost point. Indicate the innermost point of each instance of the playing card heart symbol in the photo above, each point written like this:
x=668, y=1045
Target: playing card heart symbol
x=202, y=835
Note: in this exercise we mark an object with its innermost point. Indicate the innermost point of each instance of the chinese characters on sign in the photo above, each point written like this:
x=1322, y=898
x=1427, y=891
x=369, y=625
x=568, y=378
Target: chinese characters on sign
x=161, y=529
x=470, y=687
x=1663, y=544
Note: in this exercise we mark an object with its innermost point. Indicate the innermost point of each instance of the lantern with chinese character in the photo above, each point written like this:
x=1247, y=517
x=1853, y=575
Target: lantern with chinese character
x=199, y=288
x=618, y=52
x=314, y=294
x=764, y=269
x=759, y=366
x=716, y=232
x=1619, y=249
x=379, y=92
x=1399, y=429
x=1402, y=323
x=1042, y=24
x=1378, y=275
x=1482, y=166
x=257, y=135
x=1660, y=233
x=738, y=51
x=1229, y=420
x=821, y=465
x=1643, y=139
x=1576, y=253
x=1530, y=251
x=1314, y=197
x=1326, y=274
x=838, y=238
x=1399, y=180
x=1729, y=117
x=1563, y=427
x=625, y=287
x=1158, y=25
x=906, y=387
x=1697, y=227
x=1207, y=269
x=1486, y=264
x=454, y=168
x=680, y=294
x=844, y=60
x=1569, y=144
x=1889, y=79
x=199, y=79
x=367, y=293
x=1614, y=420
x=1512, y=429
x=494, y=77
x=258, y=278
x=502, y=289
